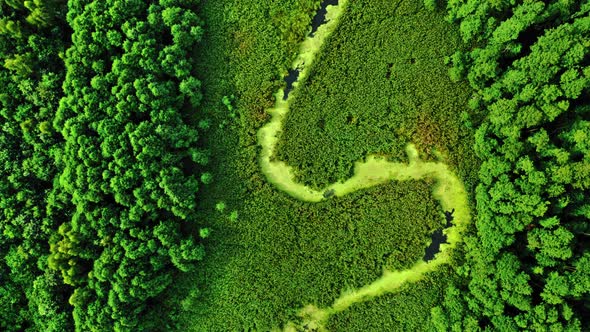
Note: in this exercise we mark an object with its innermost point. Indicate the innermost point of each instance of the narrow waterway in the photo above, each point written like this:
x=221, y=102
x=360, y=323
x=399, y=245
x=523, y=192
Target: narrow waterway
x=320, y=16
x=317, y=21
x=438, y=237
x=373, y=170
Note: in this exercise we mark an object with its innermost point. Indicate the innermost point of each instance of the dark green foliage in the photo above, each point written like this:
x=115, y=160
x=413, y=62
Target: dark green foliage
x=527, y=265
x=130, y=159
x=32, y=36
x=99, y=194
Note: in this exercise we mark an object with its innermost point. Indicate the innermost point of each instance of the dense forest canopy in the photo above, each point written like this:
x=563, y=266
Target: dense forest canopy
x=101, y=159
x=527, y=265
x=33, y=39
x=128, y=126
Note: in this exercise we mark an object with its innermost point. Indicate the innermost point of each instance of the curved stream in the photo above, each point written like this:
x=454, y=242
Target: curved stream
x=448, y=188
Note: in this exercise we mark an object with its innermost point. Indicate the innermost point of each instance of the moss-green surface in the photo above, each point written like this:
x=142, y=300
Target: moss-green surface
x=282, y=254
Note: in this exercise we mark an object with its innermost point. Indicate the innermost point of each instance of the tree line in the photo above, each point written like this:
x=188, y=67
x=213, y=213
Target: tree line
x=101, y=160
x=32, y=37
x=527, y=263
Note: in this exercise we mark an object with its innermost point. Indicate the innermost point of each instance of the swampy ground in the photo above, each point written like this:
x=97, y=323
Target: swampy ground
x=378, y=83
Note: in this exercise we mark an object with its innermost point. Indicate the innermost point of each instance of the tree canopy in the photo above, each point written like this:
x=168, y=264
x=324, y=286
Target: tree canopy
x=100, y=152
x=526, y=260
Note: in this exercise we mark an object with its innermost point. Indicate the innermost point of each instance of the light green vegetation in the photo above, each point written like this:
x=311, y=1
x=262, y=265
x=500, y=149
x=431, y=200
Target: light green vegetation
x=283, y=254
x=448, y=190
x=395, y=312
x=278, y=172
x=310, y=47
x=374, y=171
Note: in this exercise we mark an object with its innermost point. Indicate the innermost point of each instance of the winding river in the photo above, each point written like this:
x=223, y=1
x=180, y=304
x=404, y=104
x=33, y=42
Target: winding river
x=448, y=188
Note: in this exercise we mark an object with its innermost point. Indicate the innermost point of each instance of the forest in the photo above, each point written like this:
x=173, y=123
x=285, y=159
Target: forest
x=138, y=192
x=100, y=161
x=526, y=267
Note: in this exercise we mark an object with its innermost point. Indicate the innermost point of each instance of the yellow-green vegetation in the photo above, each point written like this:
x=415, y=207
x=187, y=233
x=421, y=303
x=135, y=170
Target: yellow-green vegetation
x=276, y=171
x=450, y=193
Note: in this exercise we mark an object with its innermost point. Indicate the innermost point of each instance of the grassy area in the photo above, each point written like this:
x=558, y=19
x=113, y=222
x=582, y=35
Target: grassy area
x=408, y=310
x=282, y=254
x=380, y=83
